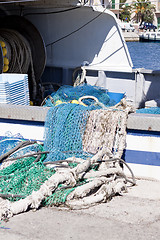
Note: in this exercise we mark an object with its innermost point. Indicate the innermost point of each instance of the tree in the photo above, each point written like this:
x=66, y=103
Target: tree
x=125, y=13
x=122, y=3
x=144, y=11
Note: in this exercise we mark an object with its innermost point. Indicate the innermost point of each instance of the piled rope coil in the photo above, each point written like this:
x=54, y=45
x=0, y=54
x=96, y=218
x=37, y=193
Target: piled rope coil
x=18, y=51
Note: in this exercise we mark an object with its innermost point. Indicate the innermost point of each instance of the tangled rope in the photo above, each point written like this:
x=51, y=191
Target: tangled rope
x=80, y=79
x=99, y=186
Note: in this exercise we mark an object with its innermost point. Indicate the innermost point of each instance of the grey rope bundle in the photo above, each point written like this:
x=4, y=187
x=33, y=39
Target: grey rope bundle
x=18, y=53
x=18, y=49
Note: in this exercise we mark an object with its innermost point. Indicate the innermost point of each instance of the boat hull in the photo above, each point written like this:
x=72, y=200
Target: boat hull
x=149, y=37
x=148, y=40
x=142, y=151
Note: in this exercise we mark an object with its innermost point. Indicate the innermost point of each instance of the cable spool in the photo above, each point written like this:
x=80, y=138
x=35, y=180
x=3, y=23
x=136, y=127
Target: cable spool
x=16, y=51
x=22, y=50
x=1, y=59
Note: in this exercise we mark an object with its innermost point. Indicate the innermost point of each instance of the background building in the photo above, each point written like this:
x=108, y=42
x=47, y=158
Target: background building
x=157, y=13
x=114, y=6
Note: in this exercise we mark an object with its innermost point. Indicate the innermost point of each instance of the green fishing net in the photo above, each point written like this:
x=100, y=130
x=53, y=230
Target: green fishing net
x=24, y=175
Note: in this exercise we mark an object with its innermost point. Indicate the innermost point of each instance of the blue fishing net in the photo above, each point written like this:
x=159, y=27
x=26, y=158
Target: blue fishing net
x=152, y=110
x=9, y=141
x=7, y=144
x=64, y=128
x=68, y=93
x=33, y=148
x=15, y=148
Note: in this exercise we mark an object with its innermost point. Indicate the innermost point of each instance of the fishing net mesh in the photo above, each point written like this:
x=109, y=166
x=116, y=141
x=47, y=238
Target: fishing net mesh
x=22, y=176
x=151, y=110
x=7, y=144
x=70, y=130
x=64, y=128
x=69, y=93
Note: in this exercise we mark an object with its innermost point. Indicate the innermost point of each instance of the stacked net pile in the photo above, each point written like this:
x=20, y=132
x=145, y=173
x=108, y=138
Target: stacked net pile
x=78, y=166
x=68, y=93
x=64, y=128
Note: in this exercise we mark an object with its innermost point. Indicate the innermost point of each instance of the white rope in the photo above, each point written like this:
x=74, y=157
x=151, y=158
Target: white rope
x=80, y=79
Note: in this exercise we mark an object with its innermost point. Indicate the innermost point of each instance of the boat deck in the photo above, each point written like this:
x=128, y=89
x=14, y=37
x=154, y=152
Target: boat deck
x=137, y=121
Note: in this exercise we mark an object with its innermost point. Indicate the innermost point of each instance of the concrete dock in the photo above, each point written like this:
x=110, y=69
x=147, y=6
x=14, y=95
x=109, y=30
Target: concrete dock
x=131, y=36
x=133, y=215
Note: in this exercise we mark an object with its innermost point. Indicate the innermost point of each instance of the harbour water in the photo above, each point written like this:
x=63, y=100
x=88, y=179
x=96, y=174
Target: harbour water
x=145, y=54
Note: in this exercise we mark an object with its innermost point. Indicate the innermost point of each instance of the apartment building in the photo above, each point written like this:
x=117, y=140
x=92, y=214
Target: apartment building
x=157, y=13
x=114, y=6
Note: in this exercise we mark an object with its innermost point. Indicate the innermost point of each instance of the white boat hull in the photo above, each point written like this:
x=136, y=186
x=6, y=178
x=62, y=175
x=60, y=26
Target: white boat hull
x=142, y=152
x=149, y=37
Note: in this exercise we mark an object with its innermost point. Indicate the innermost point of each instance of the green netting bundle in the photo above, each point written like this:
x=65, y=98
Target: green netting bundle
x=58, y=197
x=24, y=174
